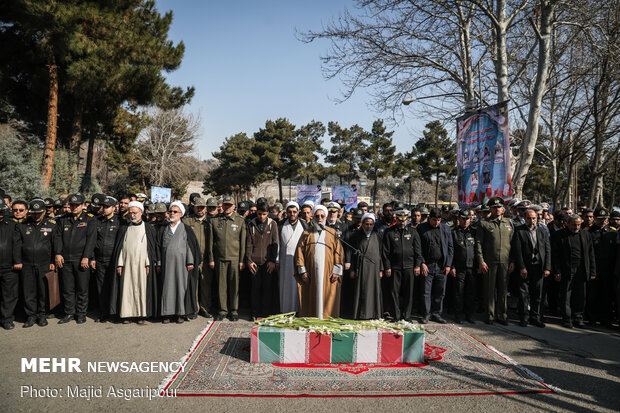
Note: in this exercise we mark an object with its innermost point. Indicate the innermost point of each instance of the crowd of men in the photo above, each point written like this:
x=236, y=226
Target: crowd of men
x=133, y=260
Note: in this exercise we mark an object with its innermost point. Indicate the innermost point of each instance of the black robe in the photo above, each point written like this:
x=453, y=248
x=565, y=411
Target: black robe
x=367, y=264
x=191, y=296
x=153, y=251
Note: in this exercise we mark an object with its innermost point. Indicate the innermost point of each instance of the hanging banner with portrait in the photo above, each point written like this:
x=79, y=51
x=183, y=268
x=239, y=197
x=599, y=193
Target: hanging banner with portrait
x=308, y=193
x=483, y=155
x=346, y=193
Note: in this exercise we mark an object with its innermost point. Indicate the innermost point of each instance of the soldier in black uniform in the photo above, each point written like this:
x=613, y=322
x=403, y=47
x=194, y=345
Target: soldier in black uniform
x=49, y=207
x=108, y=224
x=74, y=243
x=402, y=256
x=34, y=257
x=600, y=290
x=20, y=209
x=96, y=204
x=9, y=278
x=462, y=271
x=333, y=208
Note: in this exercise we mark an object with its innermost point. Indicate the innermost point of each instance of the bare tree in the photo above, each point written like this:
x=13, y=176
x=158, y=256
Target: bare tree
x=164, y=146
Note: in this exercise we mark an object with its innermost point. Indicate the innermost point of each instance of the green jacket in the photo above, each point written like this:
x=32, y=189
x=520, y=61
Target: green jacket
x=200, y=229
x=226, y=238
x=493, y=238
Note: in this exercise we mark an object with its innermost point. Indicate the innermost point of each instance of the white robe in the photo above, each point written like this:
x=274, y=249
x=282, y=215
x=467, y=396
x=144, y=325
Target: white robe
x=289, y=237
x=134, y=258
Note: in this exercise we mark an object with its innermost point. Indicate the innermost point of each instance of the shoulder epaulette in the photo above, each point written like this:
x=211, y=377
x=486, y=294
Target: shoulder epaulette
x=51, y=221
x=89, y=214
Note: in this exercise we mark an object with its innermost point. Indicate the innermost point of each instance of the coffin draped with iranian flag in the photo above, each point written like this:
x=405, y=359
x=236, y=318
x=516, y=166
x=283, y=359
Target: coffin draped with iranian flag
x=288, y=346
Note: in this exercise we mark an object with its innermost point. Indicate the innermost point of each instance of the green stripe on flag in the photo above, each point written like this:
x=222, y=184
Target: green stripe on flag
x=413, y=347
x=269, y=340
x=342, y=348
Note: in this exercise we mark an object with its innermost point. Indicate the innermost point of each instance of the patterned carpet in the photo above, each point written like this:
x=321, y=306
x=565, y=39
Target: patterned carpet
x=457, y=364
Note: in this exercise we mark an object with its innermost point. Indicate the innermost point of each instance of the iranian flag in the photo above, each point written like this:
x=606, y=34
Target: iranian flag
x=287, y=346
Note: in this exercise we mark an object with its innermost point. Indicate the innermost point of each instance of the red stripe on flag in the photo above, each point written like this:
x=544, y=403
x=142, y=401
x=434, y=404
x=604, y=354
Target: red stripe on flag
x=319, y=348
x=254, y=357
x=391, y=348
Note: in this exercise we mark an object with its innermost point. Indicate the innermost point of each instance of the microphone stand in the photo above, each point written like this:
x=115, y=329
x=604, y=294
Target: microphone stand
x=355, y=250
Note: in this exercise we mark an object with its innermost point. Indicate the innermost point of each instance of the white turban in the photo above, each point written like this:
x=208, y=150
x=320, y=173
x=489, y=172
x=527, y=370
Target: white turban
x=137, y=205
x=292, y=204
x=369, y=215
x=179, y=205
x=319, y=208
x=309, y=202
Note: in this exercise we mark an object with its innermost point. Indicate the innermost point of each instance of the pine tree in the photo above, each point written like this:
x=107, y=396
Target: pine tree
x=436, y=155
x=344, y=155
x=302, y=154
x=379, y=158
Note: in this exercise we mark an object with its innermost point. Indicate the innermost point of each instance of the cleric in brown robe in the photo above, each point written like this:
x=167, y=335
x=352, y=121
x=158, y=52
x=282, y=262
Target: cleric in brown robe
x=318, y=269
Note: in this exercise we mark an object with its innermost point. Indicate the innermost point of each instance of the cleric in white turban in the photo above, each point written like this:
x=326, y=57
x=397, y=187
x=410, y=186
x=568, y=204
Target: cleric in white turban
x=318, y=269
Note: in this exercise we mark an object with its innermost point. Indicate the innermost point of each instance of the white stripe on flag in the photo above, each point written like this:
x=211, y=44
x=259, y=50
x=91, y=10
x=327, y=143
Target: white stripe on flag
x=294, y=346
x=367, y=346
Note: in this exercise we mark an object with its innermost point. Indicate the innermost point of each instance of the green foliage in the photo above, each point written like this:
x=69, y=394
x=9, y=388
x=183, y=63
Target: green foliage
x=237, y=171
x=301, y=154
x=436, y=155
x=19, y=167
x=344, y=155
x=379, y=159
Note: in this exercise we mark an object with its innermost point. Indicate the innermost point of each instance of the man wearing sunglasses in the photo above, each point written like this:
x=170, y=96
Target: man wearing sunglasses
x=20, y=209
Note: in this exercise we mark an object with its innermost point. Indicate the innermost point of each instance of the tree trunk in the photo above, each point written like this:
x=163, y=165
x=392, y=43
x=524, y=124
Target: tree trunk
x=76, y=130
x=280, y=188
x=410, y=194
x=501, y=55
x=52, y=117
x=90, y=155
x=528, y=145
x=437, y=190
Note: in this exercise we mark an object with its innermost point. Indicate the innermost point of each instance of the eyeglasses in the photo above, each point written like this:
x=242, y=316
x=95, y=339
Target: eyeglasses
x=18, y=210
x=174, y=212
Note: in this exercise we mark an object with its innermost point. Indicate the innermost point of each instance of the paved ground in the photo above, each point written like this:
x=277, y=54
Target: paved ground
x=584, y=364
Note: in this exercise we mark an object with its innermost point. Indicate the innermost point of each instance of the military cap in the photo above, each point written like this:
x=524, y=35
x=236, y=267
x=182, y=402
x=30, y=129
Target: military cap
x=151, y=208
x=140, y=197
x=536, y=207
x=36, y=206
x=424, y=211
x=525, y=204
x=199, y=202
x=3, y=205
x=341, y=202
x=262, y=200
x=545, y=206
x=48, y=202
x=333, y=205
x=243, y=206
x=97, y=199
x=445, y=208
x=485, y=208
x=212, y=202
x=362, y=204
x=109, y=201
x=513, y=202
x=160, y=207
x=614, y=214
x=495, y=201
x=227, y=199
x=357, y=213
x=464, y=213
x=76, y=199
x=601, y=212
x=399, y=205
x=587, y=210
x=147, y=203
x=478, y=208
x=402, y=213
x=193, y=196
x=434, y=213
x=455, y=211
x=58, y=202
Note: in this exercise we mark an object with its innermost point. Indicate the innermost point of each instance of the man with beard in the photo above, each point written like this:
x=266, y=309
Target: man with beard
x=402, y=256
x=180, y=258
x=108, y=225
x=290, y=231
x=600, y=290
x=197, y=221
x=367, y=271
x=573, y=263
x=74, y=244
x=387, y=218
x=532, y=254
x=318, y=269
x=123, y=207
x=136, y=259
x=333, y=209
x=34, y=257
x=261, y=252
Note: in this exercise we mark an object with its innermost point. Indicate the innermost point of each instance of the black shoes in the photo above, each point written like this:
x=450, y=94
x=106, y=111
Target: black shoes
x=438, y=319
x=424, y=320
x=579, y=324
x=489, y=322
x=29, y=322
x=8, y=325
x=42, y=322
x=234, y=317
x=81, y=319
x=218, y=317
x=470, y=319
x=523, y=323
x=65, y=319
x=537, y=323
x=567, y=324
x=503, y=322
x=192, y=316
